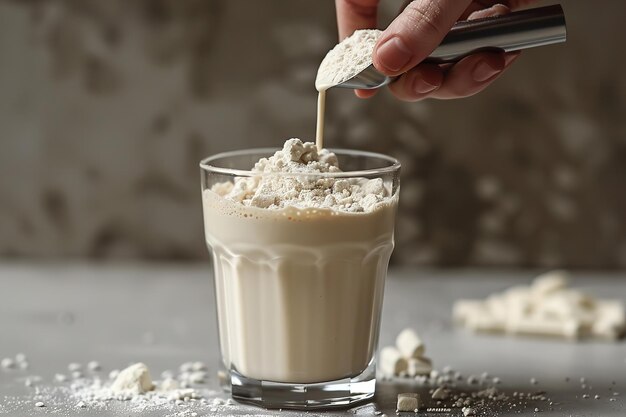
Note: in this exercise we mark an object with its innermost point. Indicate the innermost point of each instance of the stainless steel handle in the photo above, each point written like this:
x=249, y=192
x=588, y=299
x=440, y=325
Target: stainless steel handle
x=512, y=32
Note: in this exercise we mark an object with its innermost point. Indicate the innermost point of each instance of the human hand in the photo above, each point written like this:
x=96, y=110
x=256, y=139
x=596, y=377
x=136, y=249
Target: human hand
x=414, y=34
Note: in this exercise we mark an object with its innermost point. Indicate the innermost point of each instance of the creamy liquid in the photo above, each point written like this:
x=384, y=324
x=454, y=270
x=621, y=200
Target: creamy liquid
x=321, y=108
x=299, y=292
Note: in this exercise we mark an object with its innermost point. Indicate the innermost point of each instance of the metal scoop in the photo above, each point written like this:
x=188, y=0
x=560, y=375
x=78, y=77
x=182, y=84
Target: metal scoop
x=512, y=32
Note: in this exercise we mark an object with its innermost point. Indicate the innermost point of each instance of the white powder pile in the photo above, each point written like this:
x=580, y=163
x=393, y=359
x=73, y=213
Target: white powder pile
x=276, y=189
x=135, y=380
x=548, y=307
x=347, y=58
x=406, y=358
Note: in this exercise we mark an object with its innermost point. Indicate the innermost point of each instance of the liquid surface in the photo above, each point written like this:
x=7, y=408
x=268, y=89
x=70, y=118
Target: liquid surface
x=299, y=292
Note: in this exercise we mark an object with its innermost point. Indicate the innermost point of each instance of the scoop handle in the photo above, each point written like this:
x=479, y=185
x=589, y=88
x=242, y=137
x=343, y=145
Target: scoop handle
x=511, y=32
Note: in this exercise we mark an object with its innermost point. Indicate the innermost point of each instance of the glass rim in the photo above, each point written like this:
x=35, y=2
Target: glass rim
x=394, y=164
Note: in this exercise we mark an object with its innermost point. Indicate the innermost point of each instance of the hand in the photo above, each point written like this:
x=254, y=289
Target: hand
x=414, y=34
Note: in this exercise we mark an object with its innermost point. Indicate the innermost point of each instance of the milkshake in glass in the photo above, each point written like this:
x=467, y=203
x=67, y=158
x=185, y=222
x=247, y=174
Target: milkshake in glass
x=300, y=250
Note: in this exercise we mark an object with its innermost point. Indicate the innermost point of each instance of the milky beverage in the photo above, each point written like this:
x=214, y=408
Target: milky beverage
x=299, y=267
x=300, y=260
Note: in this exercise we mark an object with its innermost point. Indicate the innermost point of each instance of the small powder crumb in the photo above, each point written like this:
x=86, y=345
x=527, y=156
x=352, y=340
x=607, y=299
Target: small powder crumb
x=408, y=402
x=7, y=363
x=186, y=367
x=94, y=366
x=468, y=411
x=135, y=378
x=39, y=404
x=198, y=366
x=197, y=377
x=73, y=367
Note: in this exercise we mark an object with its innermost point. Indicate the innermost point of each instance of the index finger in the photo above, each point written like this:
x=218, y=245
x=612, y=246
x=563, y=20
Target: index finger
x=355, y=14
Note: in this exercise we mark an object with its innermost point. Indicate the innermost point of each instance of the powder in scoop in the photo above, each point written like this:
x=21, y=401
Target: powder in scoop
x=347, y=59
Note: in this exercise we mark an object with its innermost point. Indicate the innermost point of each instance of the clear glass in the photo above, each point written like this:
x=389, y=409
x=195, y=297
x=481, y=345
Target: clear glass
x=298, y=291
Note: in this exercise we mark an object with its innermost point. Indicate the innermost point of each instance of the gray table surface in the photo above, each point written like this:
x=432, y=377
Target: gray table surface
x=163, y=315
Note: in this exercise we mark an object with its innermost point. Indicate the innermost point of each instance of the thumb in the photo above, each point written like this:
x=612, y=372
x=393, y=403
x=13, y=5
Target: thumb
x=415, y=33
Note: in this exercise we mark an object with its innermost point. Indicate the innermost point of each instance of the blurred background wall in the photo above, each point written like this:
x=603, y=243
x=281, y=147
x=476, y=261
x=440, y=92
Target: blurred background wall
x=106, y=107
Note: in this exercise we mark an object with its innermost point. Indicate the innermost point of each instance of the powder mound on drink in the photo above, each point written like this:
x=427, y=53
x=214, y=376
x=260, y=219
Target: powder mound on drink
x=274, y=188
x=347, y=59
x=548, y=307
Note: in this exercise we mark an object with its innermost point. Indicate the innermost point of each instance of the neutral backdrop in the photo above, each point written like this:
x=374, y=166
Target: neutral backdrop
x=106, y=107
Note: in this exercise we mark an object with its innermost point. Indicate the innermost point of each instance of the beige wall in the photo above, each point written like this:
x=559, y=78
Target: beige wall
x=107, y=106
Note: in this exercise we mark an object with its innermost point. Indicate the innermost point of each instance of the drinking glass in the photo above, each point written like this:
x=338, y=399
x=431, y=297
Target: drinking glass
x=298, y=291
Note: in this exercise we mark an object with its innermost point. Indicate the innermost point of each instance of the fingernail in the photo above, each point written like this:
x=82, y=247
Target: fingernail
x=484, y=71
x=393, y=54
x=421, y=86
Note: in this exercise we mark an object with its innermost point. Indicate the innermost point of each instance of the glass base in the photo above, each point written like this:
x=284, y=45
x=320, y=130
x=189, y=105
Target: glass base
x=341, y=393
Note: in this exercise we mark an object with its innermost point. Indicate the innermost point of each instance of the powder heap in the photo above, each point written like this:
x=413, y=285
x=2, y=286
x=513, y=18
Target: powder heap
x=134, y=379
x=545, y=308
x=347, y=58
x=275, y=189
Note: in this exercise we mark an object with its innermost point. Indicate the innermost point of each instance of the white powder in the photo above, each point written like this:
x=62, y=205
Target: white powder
x=478, y=395
x=347, y=59
x=135, y=378
x=131, y=391
x=275, y=190
x=545, y=308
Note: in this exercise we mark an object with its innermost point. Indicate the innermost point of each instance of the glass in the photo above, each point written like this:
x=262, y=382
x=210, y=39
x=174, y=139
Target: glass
x=298, y=291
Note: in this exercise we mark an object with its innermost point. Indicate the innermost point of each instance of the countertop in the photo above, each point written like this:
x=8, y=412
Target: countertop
x=163, y=315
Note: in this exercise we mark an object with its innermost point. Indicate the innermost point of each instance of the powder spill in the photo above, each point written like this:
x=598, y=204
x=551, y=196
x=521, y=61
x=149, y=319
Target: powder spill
x=447, y=391
x=440, y=391
x=129, y=391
